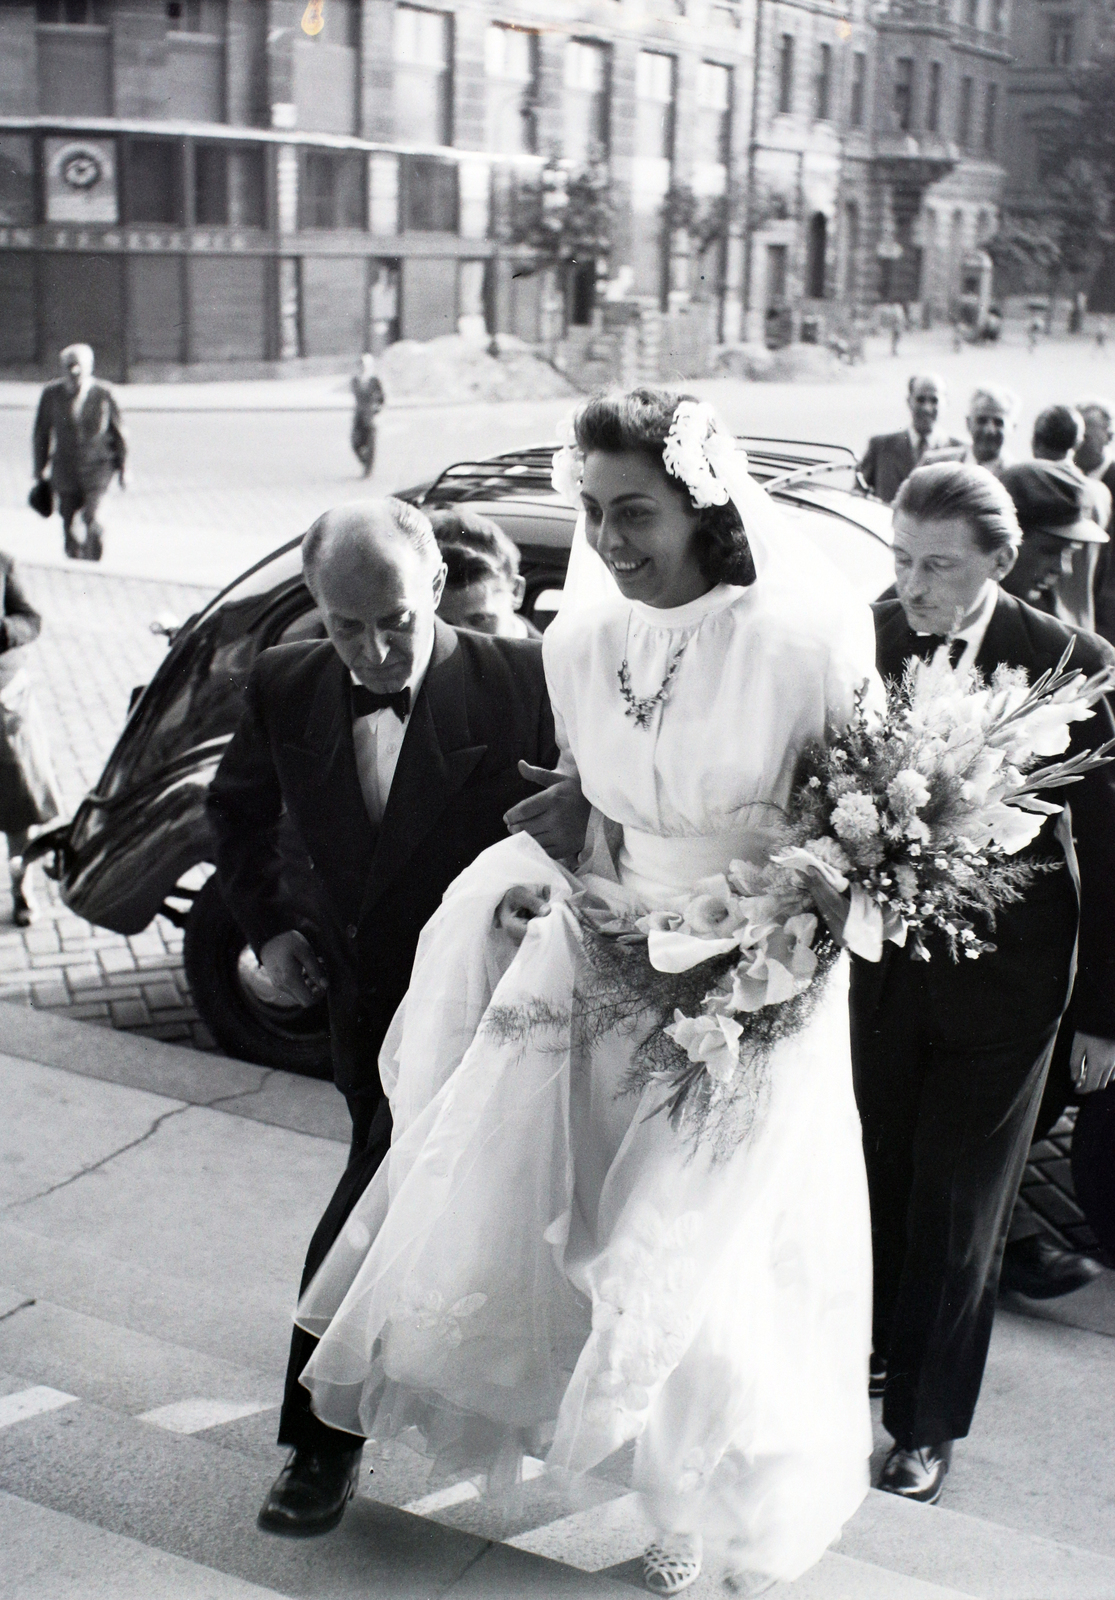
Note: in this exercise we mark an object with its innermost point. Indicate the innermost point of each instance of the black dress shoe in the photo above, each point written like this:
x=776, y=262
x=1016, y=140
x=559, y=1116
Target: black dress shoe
x=877, y=1377
x=1041, y=1270
x=311, y=1492
x=917, y=1474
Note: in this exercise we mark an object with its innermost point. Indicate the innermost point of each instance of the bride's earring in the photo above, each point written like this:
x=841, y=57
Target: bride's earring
x=672, y=1563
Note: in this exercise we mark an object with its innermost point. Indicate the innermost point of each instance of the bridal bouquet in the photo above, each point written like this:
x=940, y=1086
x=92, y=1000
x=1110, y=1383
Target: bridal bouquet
x=904, y=824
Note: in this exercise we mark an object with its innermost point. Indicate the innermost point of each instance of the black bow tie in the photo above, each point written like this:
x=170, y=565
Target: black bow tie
x=365, y=701
x=926, y=645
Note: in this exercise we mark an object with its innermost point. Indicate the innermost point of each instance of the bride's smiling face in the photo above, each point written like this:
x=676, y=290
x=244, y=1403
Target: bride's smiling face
x=642, y=525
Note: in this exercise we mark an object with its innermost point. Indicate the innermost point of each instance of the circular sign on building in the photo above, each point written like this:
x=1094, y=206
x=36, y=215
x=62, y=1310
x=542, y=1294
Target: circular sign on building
x=81, y=180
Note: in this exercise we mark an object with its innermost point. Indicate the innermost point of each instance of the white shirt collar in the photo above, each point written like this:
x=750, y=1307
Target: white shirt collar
x=415, y=683
x=973, y=633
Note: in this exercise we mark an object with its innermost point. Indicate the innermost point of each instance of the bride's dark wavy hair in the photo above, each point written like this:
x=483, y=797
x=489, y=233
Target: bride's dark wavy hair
x=640, y=420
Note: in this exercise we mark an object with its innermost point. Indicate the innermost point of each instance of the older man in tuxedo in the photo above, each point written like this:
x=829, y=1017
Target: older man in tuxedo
x=950, y=1058
x=891, y=457
x=394, y=750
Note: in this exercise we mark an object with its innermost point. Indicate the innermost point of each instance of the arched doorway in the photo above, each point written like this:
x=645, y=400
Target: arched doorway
x=815, y=267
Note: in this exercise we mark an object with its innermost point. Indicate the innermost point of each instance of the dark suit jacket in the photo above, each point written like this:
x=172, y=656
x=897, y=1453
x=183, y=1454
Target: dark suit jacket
x=19, y=621
x=481, y=709
x=83, y=451
x=975, y=994
x=889, y=461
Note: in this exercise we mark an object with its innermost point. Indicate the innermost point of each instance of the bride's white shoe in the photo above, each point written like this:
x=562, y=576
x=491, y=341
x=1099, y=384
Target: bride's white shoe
x=672, y=1563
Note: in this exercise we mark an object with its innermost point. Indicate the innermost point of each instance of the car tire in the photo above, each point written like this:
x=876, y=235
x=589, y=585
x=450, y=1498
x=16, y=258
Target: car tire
x=230, y=993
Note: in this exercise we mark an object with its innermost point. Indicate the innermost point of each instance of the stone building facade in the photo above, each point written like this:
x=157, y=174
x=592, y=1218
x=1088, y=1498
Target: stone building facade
x=213, y=184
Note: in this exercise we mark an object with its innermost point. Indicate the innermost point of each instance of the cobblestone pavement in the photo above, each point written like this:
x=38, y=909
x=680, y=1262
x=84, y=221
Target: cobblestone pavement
x=96, y=645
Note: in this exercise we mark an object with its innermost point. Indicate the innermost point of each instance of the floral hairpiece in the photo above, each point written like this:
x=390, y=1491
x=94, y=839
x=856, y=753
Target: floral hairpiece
x=683, y=455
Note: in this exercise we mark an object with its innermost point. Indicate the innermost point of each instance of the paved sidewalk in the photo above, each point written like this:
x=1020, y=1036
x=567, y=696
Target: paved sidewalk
x=96, y=645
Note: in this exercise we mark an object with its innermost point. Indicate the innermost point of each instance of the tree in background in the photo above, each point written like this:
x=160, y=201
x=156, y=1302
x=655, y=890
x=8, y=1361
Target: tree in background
x=563, y=216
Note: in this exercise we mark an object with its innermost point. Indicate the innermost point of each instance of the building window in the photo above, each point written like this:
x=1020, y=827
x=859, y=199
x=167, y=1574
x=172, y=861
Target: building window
x=228, y=186
x=815, y=265
x=654, y=105
x=933, y=100
x=511, y=75
x=776, y=275
x=73, y=13
x=824, y=84
x=998, y=16
x=964, y=114
x=429, y=195
x=585, y=101
x=153, y=181
x=423, y=80
x=17, y=180
x=971, y=13
x=851, y=249
x=859, y=82
x=990, y=117
x=786, y=74
x=196, y=16
x=333, y=189
x=904, y=93
x=714, y=113
x=1060, y=41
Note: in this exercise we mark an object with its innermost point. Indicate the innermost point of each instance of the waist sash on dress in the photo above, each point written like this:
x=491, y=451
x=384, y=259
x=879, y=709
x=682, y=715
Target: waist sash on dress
x=660, y=869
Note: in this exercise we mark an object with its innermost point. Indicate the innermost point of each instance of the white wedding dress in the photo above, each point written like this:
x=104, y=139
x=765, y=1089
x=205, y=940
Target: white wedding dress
x=542, y=1267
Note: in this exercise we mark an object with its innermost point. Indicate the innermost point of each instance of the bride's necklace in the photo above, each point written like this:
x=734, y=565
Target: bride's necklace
x=641, y=710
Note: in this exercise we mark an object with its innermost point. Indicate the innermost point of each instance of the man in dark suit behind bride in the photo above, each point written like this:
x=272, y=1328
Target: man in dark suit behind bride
x=950, y=1058
x=392, y=751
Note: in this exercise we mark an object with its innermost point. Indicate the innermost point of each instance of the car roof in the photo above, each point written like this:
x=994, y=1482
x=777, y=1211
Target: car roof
x=515, y=489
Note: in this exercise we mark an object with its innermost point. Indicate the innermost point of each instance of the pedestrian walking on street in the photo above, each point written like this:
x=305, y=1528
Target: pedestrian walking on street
x=369, y=396
x=78, y=434
x=28, y=789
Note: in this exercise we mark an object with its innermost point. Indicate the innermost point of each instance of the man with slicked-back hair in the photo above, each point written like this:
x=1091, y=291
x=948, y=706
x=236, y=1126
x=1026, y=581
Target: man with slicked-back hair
x=950, y=1058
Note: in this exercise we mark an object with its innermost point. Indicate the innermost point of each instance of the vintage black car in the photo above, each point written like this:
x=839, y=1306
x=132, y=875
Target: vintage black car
x=139, y=844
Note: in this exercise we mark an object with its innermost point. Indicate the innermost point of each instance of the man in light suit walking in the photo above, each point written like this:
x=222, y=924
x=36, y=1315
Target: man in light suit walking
x=79, y=435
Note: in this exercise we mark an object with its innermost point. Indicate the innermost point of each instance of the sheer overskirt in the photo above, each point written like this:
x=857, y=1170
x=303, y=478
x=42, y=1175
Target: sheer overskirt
x=542, y=1266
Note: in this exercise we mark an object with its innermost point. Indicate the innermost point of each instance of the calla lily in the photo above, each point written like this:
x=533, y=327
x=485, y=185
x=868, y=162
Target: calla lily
x=678, y=952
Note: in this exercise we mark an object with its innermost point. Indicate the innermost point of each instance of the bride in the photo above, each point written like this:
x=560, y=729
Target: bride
x=543, y=1265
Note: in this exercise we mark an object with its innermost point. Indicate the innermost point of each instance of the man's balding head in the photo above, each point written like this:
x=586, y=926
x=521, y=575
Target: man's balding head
x=376, y=573
x=362, y=530
x=924, y=395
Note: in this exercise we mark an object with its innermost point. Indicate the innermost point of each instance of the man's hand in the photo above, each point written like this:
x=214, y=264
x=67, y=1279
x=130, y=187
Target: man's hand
x=556, y=818
x=519, y=907
x=1092, y=1063
x=289, y=961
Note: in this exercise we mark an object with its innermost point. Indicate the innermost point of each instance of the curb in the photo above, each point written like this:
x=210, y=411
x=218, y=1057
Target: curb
x=238, y=1088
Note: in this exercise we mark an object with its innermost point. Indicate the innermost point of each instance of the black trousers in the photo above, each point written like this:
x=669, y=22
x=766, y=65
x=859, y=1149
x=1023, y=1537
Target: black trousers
x=948, y=1113
x=371, y=1123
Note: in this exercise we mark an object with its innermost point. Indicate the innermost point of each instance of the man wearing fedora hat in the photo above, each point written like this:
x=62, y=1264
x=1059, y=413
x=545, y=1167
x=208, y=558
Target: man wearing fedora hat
x=1056, y=514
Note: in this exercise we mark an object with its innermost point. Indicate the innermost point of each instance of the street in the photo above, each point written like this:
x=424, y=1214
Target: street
x=157, y=1200
x=214, y=488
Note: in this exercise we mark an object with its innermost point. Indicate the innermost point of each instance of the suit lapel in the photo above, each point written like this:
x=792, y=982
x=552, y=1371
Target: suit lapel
x=436, y=759
x=335, y=812
x=1006, y=639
